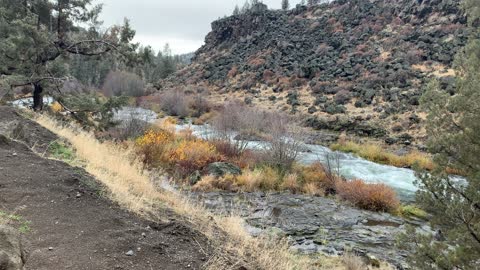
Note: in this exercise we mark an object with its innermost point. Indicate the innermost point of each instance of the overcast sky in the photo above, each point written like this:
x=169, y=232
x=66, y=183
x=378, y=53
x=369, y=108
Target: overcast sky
x=183, y=24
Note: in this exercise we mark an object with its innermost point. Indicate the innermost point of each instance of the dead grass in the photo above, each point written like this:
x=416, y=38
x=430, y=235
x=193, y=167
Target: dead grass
x=377, y=154
x=353, y=262
x=127, y=185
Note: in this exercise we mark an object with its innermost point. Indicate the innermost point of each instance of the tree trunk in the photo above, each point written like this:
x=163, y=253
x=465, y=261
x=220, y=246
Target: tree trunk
x=37, y=97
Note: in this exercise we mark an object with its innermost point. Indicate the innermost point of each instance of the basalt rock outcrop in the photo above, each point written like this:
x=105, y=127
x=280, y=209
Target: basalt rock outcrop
x=364, y=61
x=317, y=225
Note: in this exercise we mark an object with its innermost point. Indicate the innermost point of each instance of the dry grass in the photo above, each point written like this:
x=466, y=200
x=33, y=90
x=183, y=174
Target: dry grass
x=353, y=262
x=133, y=189
x=377, y=154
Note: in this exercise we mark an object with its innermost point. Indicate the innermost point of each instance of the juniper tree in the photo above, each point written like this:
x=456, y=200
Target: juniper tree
x=285, y=4
x=37, y=37
x=453, y=127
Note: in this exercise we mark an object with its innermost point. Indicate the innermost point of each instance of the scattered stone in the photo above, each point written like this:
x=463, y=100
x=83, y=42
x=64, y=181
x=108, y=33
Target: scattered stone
x=222, y=168
x=129, y=253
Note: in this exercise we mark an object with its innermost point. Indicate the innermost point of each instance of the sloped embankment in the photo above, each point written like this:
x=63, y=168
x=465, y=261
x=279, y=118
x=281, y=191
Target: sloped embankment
x=72, y=226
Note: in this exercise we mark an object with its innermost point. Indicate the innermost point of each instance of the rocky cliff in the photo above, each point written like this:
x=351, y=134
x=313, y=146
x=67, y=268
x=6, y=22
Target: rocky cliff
x=358, y=66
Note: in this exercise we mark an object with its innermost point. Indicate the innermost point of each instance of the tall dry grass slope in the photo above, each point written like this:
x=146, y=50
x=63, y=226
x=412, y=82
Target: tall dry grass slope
x=118, y=170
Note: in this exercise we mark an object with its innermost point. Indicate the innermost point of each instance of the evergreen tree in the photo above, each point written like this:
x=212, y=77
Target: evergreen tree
x=285, y=4
x=37, y=38
x=453, y=127
x=236, y=11
x=246, y=7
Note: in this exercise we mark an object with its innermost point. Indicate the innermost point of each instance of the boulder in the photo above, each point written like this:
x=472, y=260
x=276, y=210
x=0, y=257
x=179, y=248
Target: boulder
x=12, y=255
x=222, y=168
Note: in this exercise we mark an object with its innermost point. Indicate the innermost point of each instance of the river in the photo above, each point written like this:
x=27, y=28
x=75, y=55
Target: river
x=350, y=166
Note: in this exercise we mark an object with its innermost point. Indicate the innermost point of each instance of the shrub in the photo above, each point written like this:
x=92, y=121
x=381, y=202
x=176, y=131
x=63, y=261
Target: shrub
x=153, y=145
x=175, y=103
x=180, y=153
x=210, y=183
x=313, y=189
x=290, y=182
x=192, y=155
x=55, y=107
x=269, y=178
x=199, y=105
x=342, y=97
x=233, y=72
x=121, y=83
x=375, y=197
x=409, y=211
x=315, y=175
x=268, y=75
x=250, y=180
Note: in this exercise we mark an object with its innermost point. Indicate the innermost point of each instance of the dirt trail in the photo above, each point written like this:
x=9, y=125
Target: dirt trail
x=72, y=225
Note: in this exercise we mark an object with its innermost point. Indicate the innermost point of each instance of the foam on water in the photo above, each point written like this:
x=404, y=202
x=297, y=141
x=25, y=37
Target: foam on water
x=351, y=167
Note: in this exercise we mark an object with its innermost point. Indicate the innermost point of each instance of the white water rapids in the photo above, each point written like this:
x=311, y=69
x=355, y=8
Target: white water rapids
x=350, y=166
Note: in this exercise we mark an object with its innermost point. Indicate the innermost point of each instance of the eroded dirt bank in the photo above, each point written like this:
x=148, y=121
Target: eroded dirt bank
x=73, y=226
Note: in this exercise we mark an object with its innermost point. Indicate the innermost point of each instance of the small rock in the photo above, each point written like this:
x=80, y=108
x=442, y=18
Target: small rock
x=373, y=261
x=144, y=234
x=79, y=195
x=50, y=248
x=129, y=253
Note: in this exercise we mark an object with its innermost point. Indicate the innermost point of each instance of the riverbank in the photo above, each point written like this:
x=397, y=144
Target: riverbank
x=132, y=188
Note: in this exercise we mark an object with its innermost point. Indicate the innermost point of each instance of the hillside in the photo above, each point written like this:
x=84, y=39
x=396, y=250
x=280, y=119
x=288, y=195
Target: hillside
x=358, y=66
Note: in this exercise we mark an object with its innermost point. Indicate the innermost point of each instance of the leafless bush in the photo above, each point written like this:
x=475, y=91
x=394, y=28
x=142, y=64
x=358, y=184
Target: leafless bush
x=120, y=83
x=175, y=103
x=199, y=105
x=238, y=124
x=332, y=165
x=284, y=141
x=132, y=127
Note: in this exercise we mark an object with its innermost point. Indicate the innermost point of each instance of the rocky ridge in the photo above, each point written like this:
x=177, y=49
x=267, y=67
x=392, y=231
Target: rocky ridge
x=358, y=66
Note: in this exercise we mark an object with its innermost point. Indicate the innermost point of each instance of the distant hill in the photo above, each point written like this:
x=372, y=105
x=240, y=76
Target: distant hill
x=358, y=66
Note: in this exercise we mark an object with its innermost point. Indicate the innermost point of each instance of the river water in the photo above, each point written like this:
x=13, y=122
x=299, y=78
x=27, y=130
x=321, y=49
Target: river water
x=350, y=166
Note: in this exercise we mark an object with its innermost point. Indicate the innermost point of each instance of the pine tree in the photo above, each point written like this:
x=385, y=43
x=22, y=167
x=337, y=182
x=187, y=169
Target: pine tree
x=38, y=36
x=236, y=11
x=453, y=127
x=246, y=7
x=285, y=4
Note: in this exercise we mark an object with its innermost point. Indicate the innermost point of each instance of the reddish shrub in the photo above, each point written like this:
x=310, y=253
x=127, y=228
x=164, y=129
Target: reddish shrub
x=233, y=72
x=375, y=197
x=268, y=74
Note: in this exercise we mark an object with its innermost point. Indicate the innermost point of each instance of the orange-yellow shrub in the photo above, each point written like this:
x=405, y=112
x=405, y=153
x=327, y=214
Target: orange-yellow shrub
x=182, y=152
x=375, y=197
x=192, y=155
x=153, y=145
x=56, y=107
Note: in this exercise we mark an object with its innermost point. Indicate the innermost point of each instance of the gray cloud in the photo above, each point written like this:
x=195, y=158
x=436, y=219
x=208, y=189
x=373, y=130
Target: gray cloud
x=183, y=24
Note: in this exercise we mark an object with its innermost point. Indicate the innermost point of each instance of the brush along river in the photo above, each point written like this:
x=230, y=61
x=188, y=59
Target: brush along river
x=350, y=166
